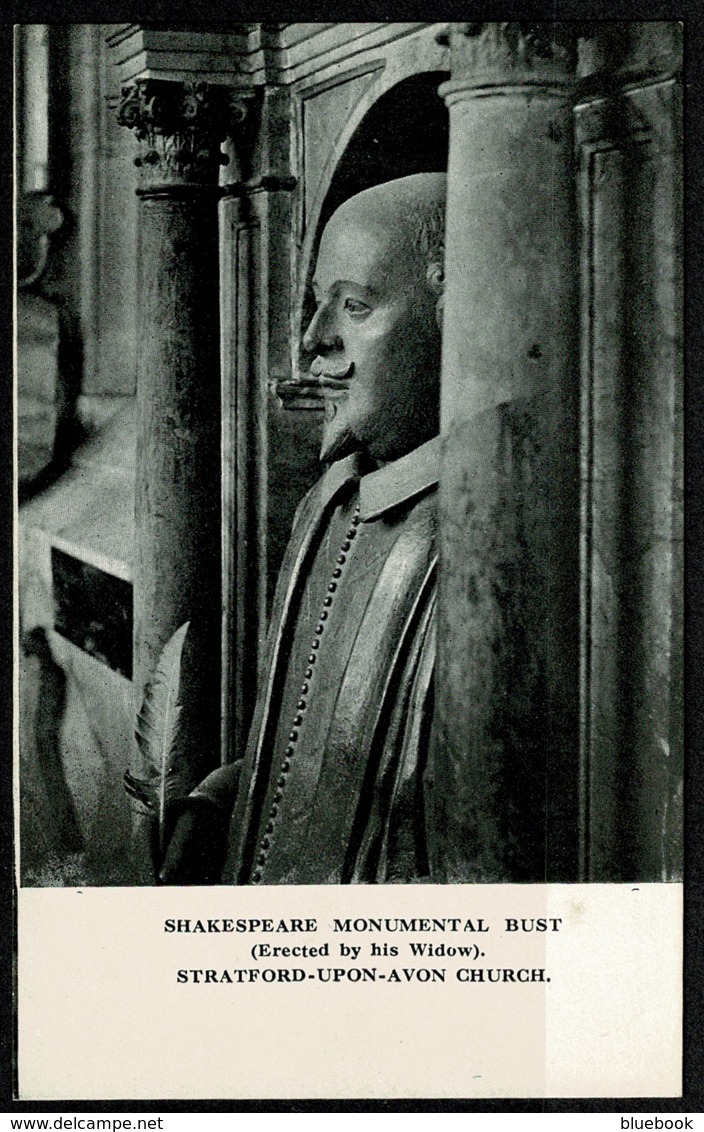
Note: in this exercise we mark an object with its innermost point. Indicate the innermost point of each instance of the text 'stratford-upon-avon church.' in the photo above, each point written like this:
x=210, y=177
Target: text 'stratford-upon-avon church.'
x=174, y=185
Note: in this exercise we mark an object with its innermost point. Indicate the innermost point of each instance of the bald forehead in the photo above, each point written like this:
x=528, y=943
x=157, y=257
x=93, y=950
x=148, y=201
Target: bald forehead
x=405, y=202
x=379, y=230
x=362, y=253
x=372, y=238
x=395, y=211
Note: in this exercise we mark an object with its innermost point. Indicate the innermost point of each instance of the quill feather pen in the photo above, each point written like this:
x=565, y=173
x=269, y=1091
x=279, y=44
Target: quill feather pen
x=157, y=734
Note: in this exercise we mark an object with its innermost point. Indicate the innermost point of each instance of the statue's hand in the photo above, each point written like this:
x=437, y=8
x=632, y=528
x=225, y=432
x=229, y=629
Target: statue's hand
x=195, y=853
x=197, y=847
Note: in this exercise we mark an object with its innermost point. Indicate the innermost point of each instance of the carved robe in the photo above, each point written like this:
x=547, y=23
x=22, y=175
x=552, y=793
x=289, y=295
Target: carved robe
x=333, y=786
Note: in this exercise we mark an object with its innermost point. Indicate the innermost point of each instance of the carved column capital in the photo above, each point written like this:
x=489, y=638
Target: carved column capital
x=486, y=56
x=180, y=128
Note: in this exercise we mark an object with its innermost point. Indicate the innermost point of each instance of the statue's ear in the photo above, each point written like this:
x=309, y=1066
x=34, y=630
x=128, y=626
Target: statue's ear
x=435, y=278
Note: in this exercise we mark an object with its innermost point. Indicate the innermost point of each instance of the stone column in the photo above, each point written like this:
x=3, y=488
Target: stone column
x=255, y=234
x=244, y=453
x=628, y=133
x=177, y=572
x=506, y=780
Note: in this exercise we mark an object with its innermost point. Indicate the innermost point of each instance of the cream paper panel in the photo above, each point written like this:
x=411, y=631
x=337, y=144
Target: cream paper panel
x=617, y=1019
x=101, y=1015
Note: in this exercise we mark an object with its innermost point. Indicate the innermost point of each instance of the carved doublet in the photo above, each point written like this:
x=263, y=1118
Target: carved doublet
x=342, y=657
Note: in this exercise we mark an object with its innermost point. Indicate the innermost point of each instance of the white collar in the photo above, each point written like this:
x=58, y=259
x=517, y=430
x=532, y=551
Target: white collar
x=390, y=485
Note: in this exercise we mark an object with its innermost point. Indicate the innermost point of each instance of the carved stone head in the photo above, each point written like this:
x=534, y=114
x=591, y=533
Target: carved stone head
x=375, y=336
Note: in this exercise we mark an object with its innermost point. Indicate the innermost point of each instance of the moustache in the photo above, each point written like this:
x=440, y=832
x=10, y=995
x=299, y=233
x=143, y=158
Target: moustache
x=329, y=371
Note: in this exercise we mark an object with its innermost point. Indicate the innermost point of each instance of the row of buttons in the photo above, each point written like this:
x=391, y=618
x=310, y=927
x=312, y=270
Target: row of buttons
x=265, y=843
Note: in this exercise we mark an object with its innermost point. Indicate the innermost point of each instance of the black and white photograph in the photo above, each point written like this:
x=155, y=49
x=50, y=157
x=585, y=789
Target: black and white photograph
x=349, y=466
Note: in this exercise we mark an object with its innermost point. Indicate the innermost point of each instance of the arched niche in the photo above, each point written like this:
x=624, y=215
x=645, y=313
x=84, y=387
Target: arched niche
x=400, y=130
x=403, y=131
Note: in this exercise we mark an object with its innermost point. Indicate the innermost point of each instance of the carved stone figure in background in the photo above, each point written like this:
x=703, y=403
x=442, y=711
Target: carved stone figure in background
x=336, y=784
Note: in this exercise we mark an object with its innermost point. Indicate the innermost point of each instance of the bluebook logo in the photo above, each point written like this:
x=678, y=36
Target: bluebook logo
x=655, y=1122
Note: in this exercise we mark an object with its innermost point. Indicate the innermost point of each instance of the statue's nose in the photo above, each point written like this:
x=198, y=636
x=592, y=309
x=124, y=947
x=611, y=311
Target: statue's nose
x=322, y=337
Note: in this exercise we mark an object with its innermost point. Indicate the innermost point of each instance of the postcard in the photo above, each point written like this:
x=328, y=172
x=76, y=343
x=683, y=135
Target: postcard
x=349, y=656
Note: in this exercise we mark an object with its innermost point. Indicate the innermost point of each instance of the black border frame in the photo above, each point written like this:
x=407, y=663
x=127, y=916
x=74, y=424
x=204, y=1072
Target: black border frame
x=113, y=11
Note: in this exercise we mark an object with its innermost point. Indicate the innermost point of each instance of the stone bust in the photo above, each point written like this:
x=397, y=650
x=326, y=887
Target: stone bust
x=375, y=337
x=336, y=783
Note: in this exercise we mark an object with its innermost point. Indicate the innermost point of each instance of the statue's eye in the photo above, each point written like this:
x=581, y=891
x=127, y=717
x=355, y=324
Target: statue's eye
x=355, y=306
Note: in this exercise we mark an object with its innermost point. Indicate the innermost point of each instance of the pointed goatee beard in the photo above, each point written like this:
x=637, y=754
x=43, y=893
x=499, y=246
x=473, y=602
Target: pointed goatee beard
x=342, y=445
